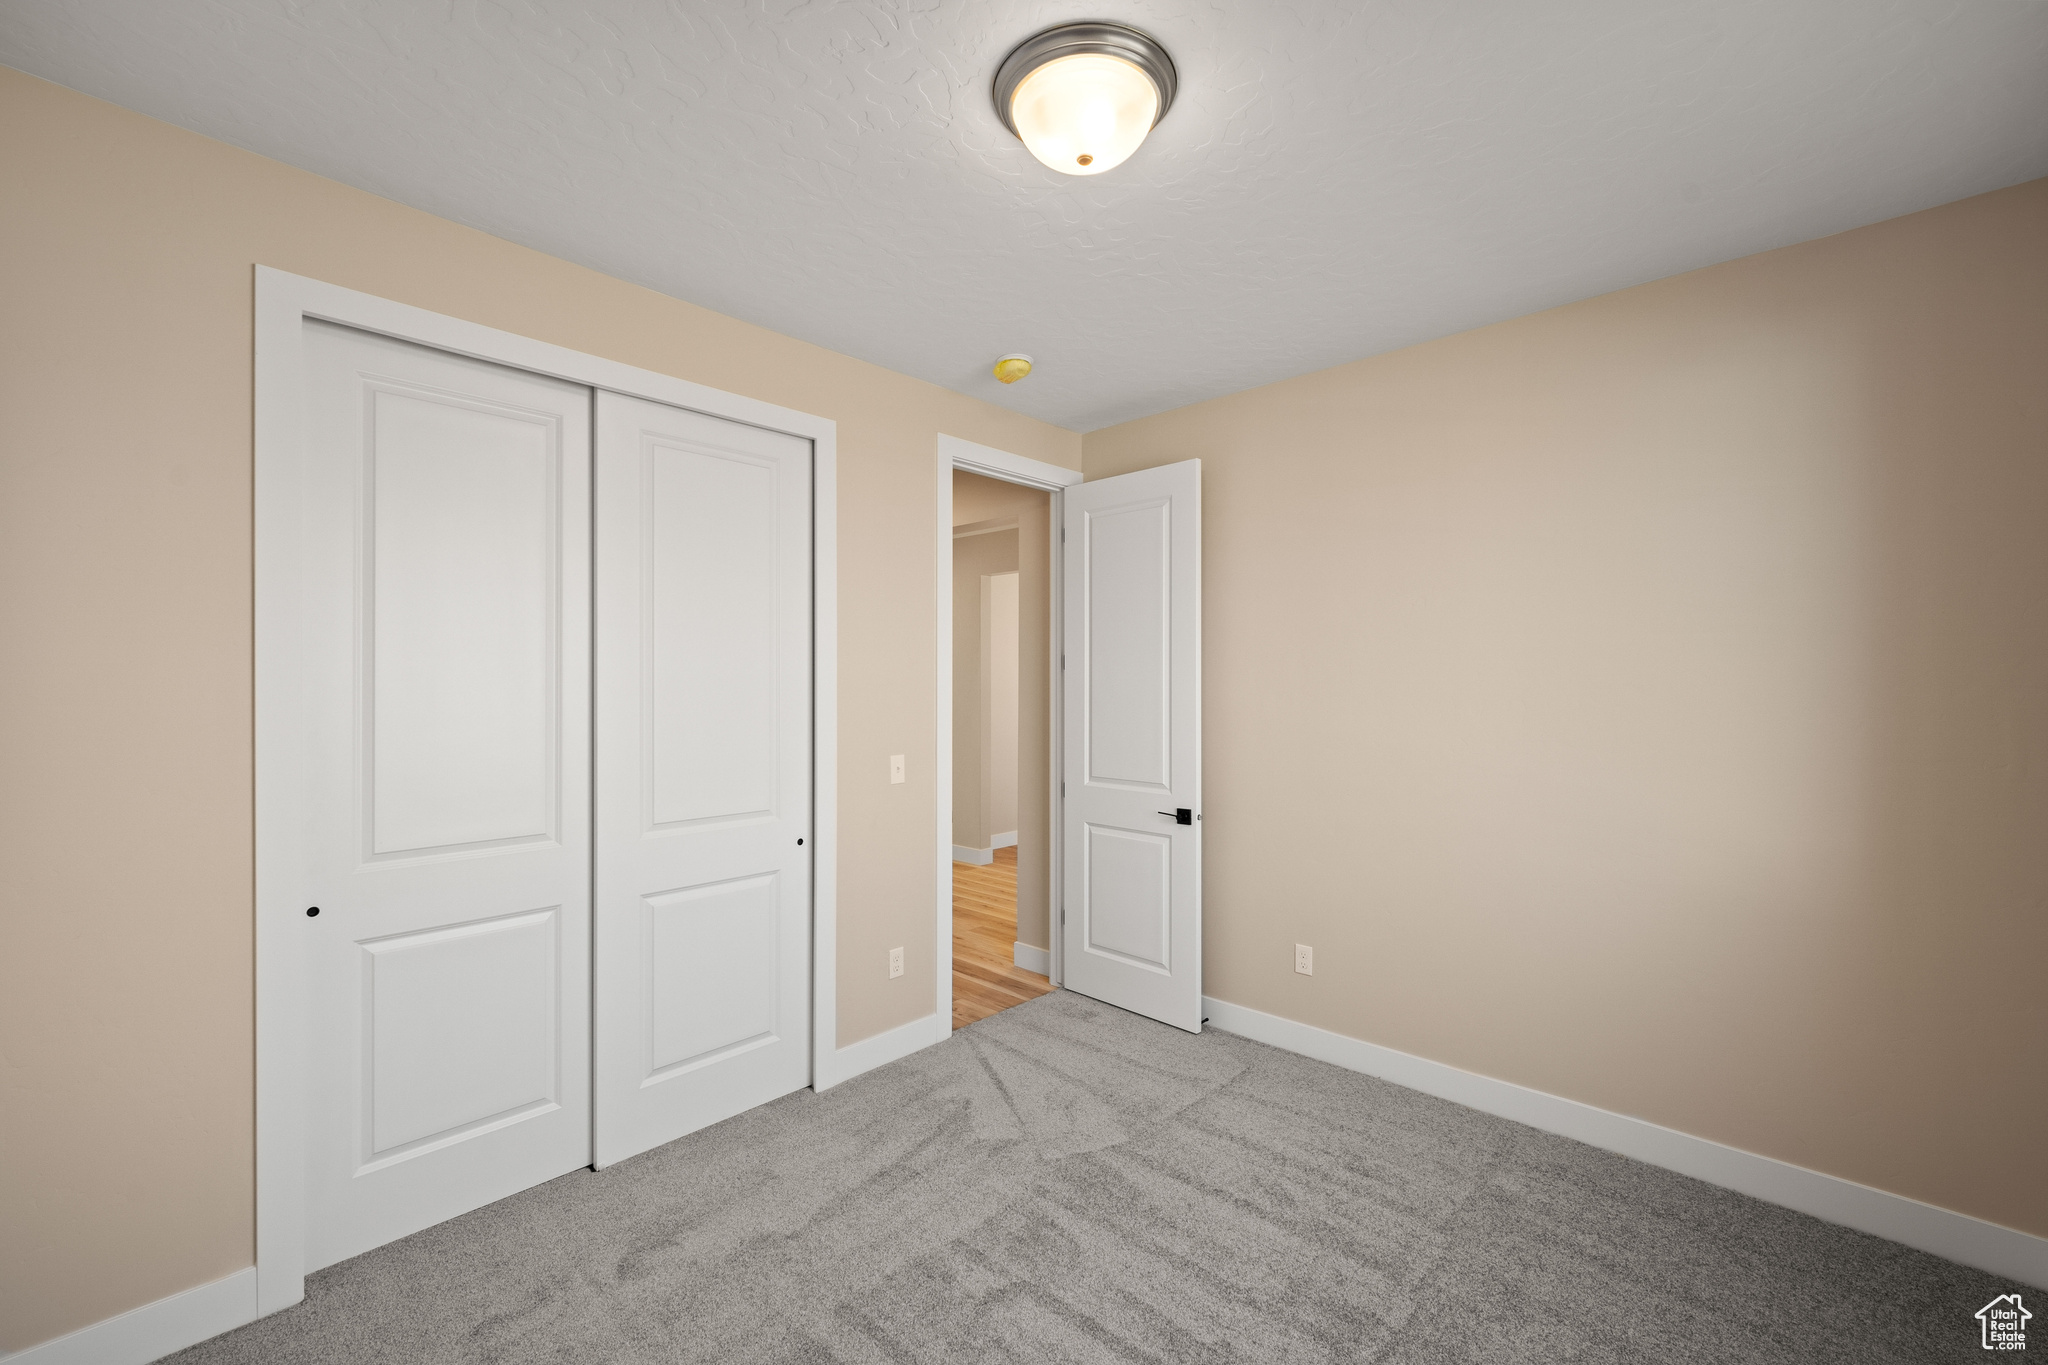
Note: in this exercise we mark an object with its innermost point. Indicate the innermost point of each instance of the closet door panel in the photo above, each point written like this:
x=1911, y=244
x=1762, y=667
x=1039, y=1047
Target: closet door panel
x=711, y=586
x=704, y=758
x=447, y=638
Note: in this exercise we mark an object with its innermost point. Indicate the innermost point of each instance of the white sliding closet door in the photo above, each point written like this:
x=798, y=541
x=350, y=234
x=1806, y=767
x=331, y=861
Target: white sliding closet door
x=704, y=771
x=445, y=756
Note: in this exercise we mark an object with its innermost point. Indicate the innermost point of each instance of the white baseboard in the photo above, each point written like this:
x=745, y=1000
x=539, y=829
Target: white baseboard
x=154, y=1330
x=1971, y=1241
x=980, y=857
x=1032, y=959
x=1004, y=840
x=847, y=1062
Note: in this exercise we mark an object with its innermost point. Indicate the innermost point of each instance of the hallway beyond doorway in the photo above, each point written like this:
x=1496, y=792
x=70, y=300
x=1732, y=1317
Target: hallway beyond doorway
x=986, y=979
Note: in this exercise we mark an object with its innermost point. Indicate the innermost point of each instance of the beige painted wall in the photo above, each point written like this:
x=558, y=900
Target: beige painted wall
x=1646, y=701
x=127, y=250
x=978, y=499
x=975, y=557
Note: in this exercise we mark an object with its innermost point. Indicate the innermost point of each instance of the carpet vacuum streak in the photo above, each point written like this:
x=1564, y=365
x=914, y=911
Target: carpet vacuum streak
x=1065, y=1182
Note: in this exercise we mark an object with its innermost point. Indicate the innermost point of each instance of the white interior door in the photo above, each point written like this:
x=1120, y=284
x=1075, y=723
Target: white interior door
x=446, y=764
x=1132, y=767
x=1133, y=747
x=704, y=771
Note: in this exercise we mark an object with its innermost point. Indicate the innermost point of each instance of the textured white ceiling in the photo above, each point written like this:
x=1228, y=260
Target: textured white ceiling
x=1337, y=178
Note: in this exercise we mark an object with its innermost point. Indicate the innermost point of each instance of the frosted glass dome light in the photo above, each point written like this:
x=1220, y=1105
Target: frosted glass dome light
x=1083, y=96
x=1084, y=114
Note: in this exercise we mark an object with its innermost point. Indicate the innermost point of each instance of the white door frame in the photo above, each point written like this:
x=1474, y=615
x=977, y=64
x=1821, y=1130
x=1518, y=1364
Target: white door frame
x=954, y=453
x=994, y=526
x=283, y=302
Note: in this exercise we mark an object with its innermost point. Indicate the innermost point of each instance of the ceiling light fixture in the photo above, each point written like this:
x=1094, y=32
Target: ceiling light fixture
x=1083, y=96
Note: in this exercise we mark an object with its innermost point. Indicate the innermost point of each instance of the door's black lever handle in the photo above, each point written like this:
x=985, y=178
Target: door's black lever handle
x=1181, y=815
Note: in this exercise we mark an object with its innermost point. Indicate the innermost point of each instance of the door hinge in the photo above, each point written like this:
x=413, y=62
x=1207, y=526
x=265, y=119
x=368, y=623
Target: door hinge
x=1063, y=786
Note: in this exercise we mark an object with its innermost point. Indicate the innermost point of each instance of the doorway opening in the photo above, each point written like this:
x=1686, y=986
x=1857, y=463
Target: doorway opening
x=1109, y=768
x=1001, y=752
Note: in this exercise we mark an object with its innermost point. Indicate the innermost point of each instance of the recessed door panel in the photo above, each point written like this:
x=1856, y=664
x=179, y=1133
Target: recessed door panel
x=1129, y=884
x=1130, y=637
x=445, y=629
x=703, y=804
x=712, y=567
x=461, y=1028
x=463, y=576
x=713, y=976
x=1130, y=823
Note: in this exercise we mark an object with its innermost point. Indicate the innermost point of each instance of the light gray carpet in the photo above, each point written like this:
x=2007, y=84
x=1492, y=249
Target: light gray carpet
x=1068, y=1182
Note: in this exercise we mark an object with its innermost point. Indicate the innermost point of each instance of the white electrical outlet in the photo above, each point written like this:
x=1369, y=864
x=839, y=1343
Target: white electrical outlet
x=895, y=775
x=895, y=963
x=1304, y=959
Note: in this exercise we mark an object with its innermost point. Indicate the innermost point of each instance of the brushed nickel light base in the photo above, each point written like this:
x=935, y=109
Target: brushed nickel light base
x=1141, y=50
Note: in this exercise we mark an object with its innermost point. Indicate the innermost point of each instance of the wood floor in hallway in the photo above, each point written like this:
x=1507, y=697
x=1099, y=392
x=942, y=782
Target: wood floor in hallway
x=986, y=977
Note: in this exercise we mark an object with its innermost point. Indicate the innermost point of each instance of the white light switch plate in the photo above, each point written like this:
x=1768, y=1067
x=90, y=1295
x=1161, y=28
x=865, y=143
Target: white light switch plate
x=895, y=767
